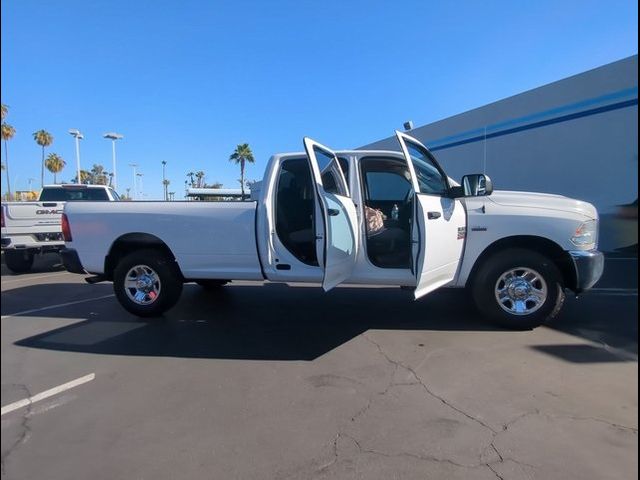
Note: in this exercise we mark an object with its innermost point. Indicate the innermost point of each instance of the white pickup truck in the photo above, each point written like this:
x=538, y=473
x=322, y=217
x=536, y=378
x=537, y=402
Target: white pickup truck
x=29, y=228
x=360, y=217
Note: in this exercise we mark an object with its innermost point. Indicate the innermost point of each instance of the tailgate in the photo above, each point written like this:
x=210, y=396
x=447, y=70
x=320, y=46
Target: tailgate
x=32, y=214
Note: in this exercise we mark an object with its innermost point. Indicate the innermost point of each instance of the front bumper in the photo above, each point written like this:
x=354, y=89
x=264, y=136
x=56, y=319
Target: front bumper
x=588, y=265
x=71, y=261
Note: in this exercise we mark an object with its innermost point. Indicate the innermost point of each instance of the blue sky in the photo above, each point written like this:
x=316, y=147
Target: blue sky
x=186, y=81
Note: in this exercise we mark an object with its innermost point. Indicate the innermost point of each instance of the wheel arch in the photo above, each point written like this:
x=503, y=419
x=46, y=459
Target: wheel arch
x=130, y=242
x=542, y=245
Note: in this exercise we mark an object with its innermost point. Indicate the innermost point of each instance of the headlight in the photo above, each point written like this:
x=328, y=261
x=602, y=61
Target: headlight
x=586, y=235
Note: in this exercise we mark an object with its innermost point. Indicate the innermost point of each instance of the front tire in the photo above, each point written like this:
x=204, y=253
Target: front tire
x=519, y=289
x=18, y=261
x=147, y=283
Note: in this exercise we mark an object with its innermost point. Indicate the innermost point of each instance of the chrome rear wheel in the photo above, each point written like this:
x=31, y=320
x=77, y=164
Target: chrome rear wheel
x=142, y=284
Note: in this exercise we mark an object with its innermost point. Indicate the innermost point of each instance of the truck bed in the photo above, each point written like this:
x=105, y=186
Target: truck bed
x=208, y=239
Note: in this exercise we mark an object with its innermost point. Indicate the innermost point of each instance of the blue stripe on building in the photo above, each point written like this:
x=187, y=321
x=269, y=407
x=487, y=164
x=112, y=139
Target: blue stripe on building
x=543, y=123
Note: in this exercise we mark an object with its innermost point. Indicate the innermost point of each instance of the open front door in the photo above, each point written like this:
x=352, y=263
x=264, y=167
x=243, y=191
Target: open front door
x=439, y=227
x=336, y=225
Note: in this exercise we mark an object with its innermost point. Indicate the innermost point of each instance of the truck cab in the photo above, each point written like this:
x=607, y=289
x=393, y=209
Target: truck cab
x=358, y=215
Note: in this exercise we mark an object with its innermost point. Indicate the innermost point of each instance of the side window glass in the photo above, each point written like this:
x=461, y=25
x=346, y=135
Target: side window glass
x=387, y=186
x=430, y=179
x=330, y=171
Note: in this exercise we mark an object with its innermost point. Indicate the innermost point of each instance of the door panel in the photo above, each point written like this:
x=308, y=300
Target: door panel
x=439, y=229
x=438, y=241
x=340, y=253
x=336, y=226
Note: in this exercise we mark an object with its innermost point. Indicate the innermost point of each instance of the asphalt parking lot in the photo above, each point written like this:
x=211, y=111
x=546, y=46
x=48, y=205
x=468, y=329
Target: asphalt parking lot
x=266, y=381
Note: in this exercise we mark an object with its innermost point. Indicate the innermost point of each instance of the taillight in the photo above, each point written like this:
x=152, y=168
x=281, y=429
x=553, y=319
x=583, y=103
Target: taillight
x=66, y=229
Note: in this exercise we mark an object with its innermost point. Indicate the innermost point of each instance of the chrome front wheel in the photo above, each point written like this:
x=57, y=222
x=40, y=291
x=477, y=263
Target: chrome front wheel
x=518, y=288
x=521, y=291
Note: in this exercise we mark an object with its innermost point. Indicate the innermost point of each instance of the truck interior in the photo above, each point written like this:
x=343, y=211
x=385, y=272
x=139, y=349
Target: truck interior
x=294, y=210
x=386, y=185
x=295, y=207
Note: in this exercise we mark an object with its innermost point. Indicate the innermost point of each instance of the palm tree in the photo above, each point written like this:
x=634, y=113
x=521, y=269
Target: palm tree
x=4, y=110
x=55, y=163
x=7, y=134
x=44, y=139
x=191, y=181
x=165, y=186
x=85, y=178
x=241, y=155
x=98, y=174
x=199, y=178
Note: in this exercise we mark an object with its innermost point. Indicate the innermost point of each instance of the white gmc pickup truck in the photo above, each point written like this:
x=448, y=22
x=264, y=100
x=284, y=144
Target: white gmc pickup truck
x=30, y=228
x=360, y=217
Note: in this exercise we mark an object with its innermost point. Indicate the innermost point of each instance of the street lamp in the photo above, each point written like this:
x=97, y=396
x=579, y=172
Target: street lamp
x=135, y=190
x=141, y=189
x=78, y=136
x=113, y=137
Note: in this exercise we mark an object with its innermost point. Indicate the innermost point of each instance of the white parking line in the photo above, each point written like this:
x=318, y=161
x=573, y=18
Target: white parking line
x=35, y=310
x=26, y=277
x=47, y=393
x=630, y=292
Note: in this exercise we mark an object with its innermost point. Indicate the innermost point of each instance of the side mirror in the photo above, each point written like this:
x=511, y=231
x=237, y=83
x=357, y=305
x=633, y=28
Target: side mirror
x=477, y=185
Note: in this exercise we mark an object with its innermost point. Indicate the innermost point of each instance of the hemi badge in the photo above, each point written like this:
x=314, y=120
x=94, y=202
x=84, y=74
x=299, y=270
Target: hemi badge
x=478, y=229
x=462, y=232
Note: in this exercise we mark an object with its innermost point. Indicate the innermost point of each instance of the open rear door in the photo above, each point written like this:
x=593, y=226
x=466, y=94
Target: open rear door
x=439, y=227
x=336, y=226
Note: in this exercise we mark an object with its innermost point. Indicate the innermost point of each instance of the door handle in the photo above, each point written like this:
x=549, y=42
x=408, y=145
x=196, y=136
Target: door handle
x=333, y=211
x=433, y=215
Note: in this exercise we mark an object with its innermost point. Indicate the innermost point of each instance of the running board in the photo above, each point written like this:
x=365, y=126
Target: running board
x=95, y=279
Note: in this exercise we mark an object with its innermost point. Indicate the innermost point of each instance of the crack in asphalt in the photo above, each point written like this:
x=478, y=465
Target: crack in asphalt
x=419, y=381
x=24, y=426
x=500, y=458
x=594, y=419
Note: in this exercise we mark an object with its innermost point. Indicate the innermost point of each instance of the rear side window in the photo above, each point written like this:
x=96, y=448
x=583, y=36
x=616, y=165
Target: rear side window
x=73, y=194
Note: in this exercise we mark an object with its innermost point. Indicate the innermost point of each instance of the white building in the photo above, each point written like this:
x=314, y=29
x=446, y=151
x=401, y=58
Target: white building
x=576, y=137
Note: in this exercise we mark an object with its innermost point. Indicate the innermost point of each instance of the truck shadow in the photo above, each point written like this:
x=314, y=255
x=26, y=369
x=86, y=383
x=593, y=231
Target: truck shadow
x=49, y=262
x=270, y=322
x=278, y=322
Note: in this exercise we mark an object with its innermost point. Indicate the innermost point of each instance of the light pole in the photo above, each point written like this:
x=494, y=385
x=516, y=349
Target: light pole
x=30, y=182
x=164, y=180
x=78, y=136
x=135, y=190
x=141, y=189
x=113, y=137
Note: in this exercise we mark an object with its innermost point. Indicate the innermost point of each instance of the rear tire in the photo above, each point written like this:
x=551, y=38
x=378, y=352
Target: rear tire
x=147, y=283
x=519, y=289
x=18, y=261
